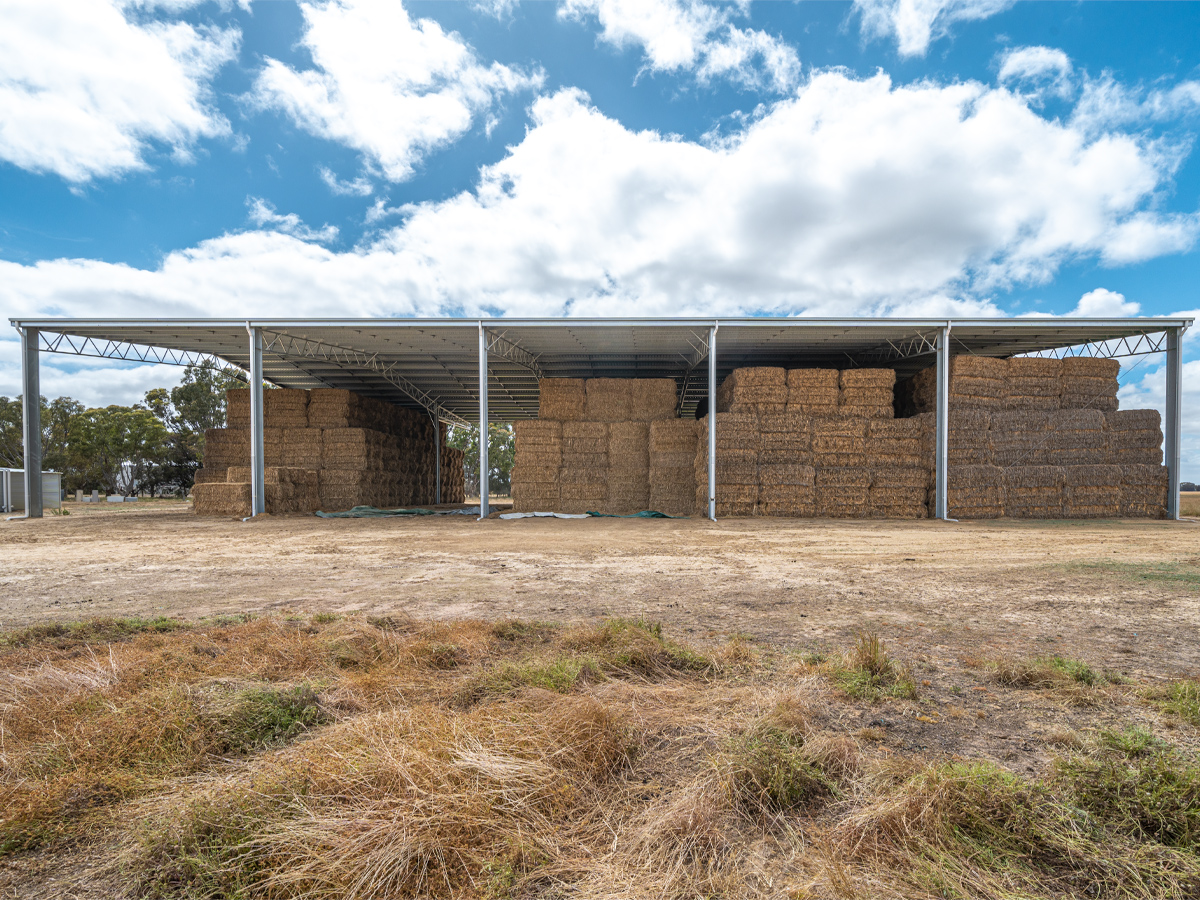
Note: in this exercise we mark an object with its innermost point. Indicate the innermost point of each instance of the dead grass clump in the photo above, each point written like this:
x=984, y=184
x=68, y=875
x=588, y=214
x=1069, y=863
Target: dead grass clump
x=635, y=647
x=415, y=802
x=867, y=672
x=69, y=635
x=974, y=830
x=1179, y=698
x=1070, y=679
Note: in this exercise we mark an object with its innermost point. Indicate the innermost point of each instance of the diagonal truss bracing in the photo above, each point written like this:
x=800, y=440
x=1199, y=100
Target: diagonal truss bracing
x=1135, y=345
x=56, y=342
x=513, y=352
x=287, y=346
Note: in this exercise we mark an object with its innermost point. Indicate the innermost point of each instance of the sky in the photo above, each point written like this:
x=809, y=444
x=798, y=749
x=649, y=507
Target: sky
x=596, y=157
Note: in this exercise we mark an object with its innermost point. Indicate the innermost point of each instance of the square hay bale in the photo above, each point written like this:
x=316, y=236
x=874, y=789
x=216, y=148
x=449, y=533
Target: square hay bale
x=1134, y=437
x=561, y=399
x=538, y=456
x=898, y=502
x=537, y=433
x=237, y=408
x=1034, y=492
x=869, y=393
x=781, y=455
x=745, y=389
x=1021, y=438
x=1090, y=367
x=1034, y=383
x=842, y=492
x=813, y=391
x=867, y=379
x=221, y=499
x=653, y=399
x=1143, y=492
x=594, y=431
x=735, y=431
x=787, y=500
x=585, y=474
x=670, y=459
x=607, y=399
x=785, y=475
x=974, y=492
x=332, y=408
x=899, y=477
x=629, y=445
x=1091, y=492
x=673, y=500
x=670, y=477
x=1077, y=437
x=530, y=475
x=1089, y=383
x=673, y=435
x=839, y=441
x=286, y=408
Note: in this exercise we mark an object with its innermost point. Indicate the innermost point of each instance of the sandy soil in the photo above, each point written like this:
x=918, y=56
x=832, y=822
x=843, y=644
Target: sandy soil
x=1121, y=594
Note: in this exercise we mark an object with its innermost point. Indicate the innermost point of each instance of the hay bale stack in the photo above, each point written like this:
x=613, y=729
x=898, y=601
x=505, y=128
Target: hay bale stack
x=210, y=475
x=738, y=442
x=607, y=399
x=898, y=443
x=976, y=382
x=974, y=492
x=286, y=489
x=583, y=483
x=538, y=443
x=672, y=466
x=1089, y=383
x=628, y=474
x=237, y=408
x=354, y=448
x=1021, y=438
x=453, y=477
x=333, y=408
x=839, y=441
x=285, y=408
x=1091, y=492
x=785, y=438
x=652, y=399
x=222, y=499
x=968, y=441
x=1077, y=437
x=869, y=393
x=786, y=489
x=842, y=492
x=535, y=488
x=225, y=447
x=899, y=492
x=300, y=447
x=753, y=389
x=813, y=392
x=1134, y=437
x=561, y=399
x=1033, y=383
x=1034, y=492
x=1143, y=492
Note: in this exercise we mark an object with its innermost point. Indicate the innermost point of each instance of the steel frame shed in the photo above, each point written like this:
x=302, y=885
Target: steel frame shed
x=478, y=370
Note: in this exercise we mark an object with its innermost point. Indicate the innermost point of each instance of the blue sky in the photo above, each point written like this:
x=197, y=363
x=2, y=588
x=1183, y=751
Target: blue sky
x=883, y=157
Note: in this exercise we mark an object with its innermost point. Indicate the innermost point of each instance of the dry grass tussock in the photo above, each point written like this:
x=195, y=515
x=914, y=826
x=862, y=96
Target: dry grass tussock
x=352, y=758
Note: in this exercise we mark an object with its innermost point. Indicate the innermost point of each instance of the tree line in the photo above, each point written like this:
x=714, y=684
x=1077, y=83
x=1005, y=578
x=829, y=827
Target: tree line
x=153, y=447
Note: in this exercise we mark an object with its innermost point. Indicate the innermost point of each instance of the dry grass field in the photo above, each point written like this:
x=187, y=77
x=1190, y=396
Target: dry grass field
x=605, y=708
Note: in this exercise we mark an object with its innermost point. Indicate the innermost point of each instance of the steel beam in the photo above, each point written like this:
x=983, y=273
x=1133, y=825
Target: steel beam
x=484, y=481
x=712, y=423
x=942, y=445
x=1173, y=421
x=258, y=491
x=437, y=455
x=514, y=352
x=31, y=422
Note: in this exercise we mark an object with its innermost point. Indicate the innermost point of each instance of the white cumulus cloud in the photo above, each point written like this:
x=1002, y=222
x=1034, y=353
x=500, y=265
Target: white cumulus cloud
x=263, y=215
x=917, y=23
x=1105, y=304
x=84, y=91
x=1038, y=70
x=690, y=35
x=385, y=84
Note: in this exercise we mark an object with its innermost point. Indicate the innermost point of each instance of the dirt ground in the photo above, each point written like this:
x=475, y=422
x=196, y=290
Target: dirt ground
x=1119, y=594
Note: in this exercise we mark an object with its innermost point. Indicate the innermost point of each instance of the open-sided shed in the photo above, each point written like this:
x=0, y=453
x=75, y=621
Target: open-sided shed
x=469, y=371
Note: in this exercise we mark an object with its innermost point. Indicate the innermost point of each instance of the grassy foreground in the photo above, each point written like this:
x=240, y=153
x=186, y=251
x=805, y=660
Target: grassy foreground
x=345, y=757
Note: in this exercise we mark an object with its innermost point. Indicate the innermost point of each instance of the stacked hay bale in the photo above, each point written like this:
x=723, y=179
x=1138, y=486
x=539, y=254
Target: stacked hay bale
x=1089, y=383
x=900, y=468
x=1021, y=438
x=842, y=492
x=1134, y=437
x=607, y=399
x=753, y=390
x=813, y=392
x=1034, y=492
x=1077, y=438
x=628, y=477
x=842, y=481
x=1091, y=492
x=1143, y=492
x=976, y=382
x=673, y=466
x=583, y=477
x=536, y=463
x=869, y=393
x=453, y=477
x=974, y=492
x=561, y=399
x=786, y=480
x=653, y=399
x=738, y=444
x=286, y=490
x=1033, y=383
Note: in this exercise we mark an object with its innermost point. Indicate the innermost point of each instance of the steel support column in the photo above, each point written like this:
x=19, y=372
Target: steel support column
x=484, y=485
x=258, y=491
x=31, y=415
x=712, y=423
x=1172, y=421
x=437, y=464
x=942, y=445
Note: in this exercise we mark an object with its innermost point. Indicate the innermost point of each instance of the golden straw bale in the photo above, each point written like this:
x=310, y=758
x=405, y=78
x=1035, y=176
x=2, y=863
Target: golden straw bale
x=735, y=431
x=537, y=432
x=583, y=465
x=787, y=500
x=1092, y=492
x=975, y=492
x=561, y=399
x=669, y=459
x=653, y=399
x=775, y=455
x=1144, y=491
x=1090, y=367
x=776, y=474
x=222, y=499
x=607, y=399
x=237, y=408
x=813, y=391
x=208, y=475
x=746, y=388
x=673, y=435
x=585, y=430
x=529, y=474
x=1034, y=492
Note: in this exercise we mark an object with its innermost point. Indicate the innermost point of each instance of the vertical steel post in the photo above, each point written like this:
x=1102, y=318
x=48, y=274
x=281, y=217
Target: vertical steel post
x=258, y=491
x=437, y=452
x=484, y=485
x=712, y=422
x=1172, y=422
x=942, y=449
x=31, y=421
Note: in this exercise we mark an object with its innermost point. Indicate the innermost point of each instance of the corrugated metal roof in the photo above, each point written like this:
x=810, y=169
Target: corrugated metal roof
x=424, y=362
